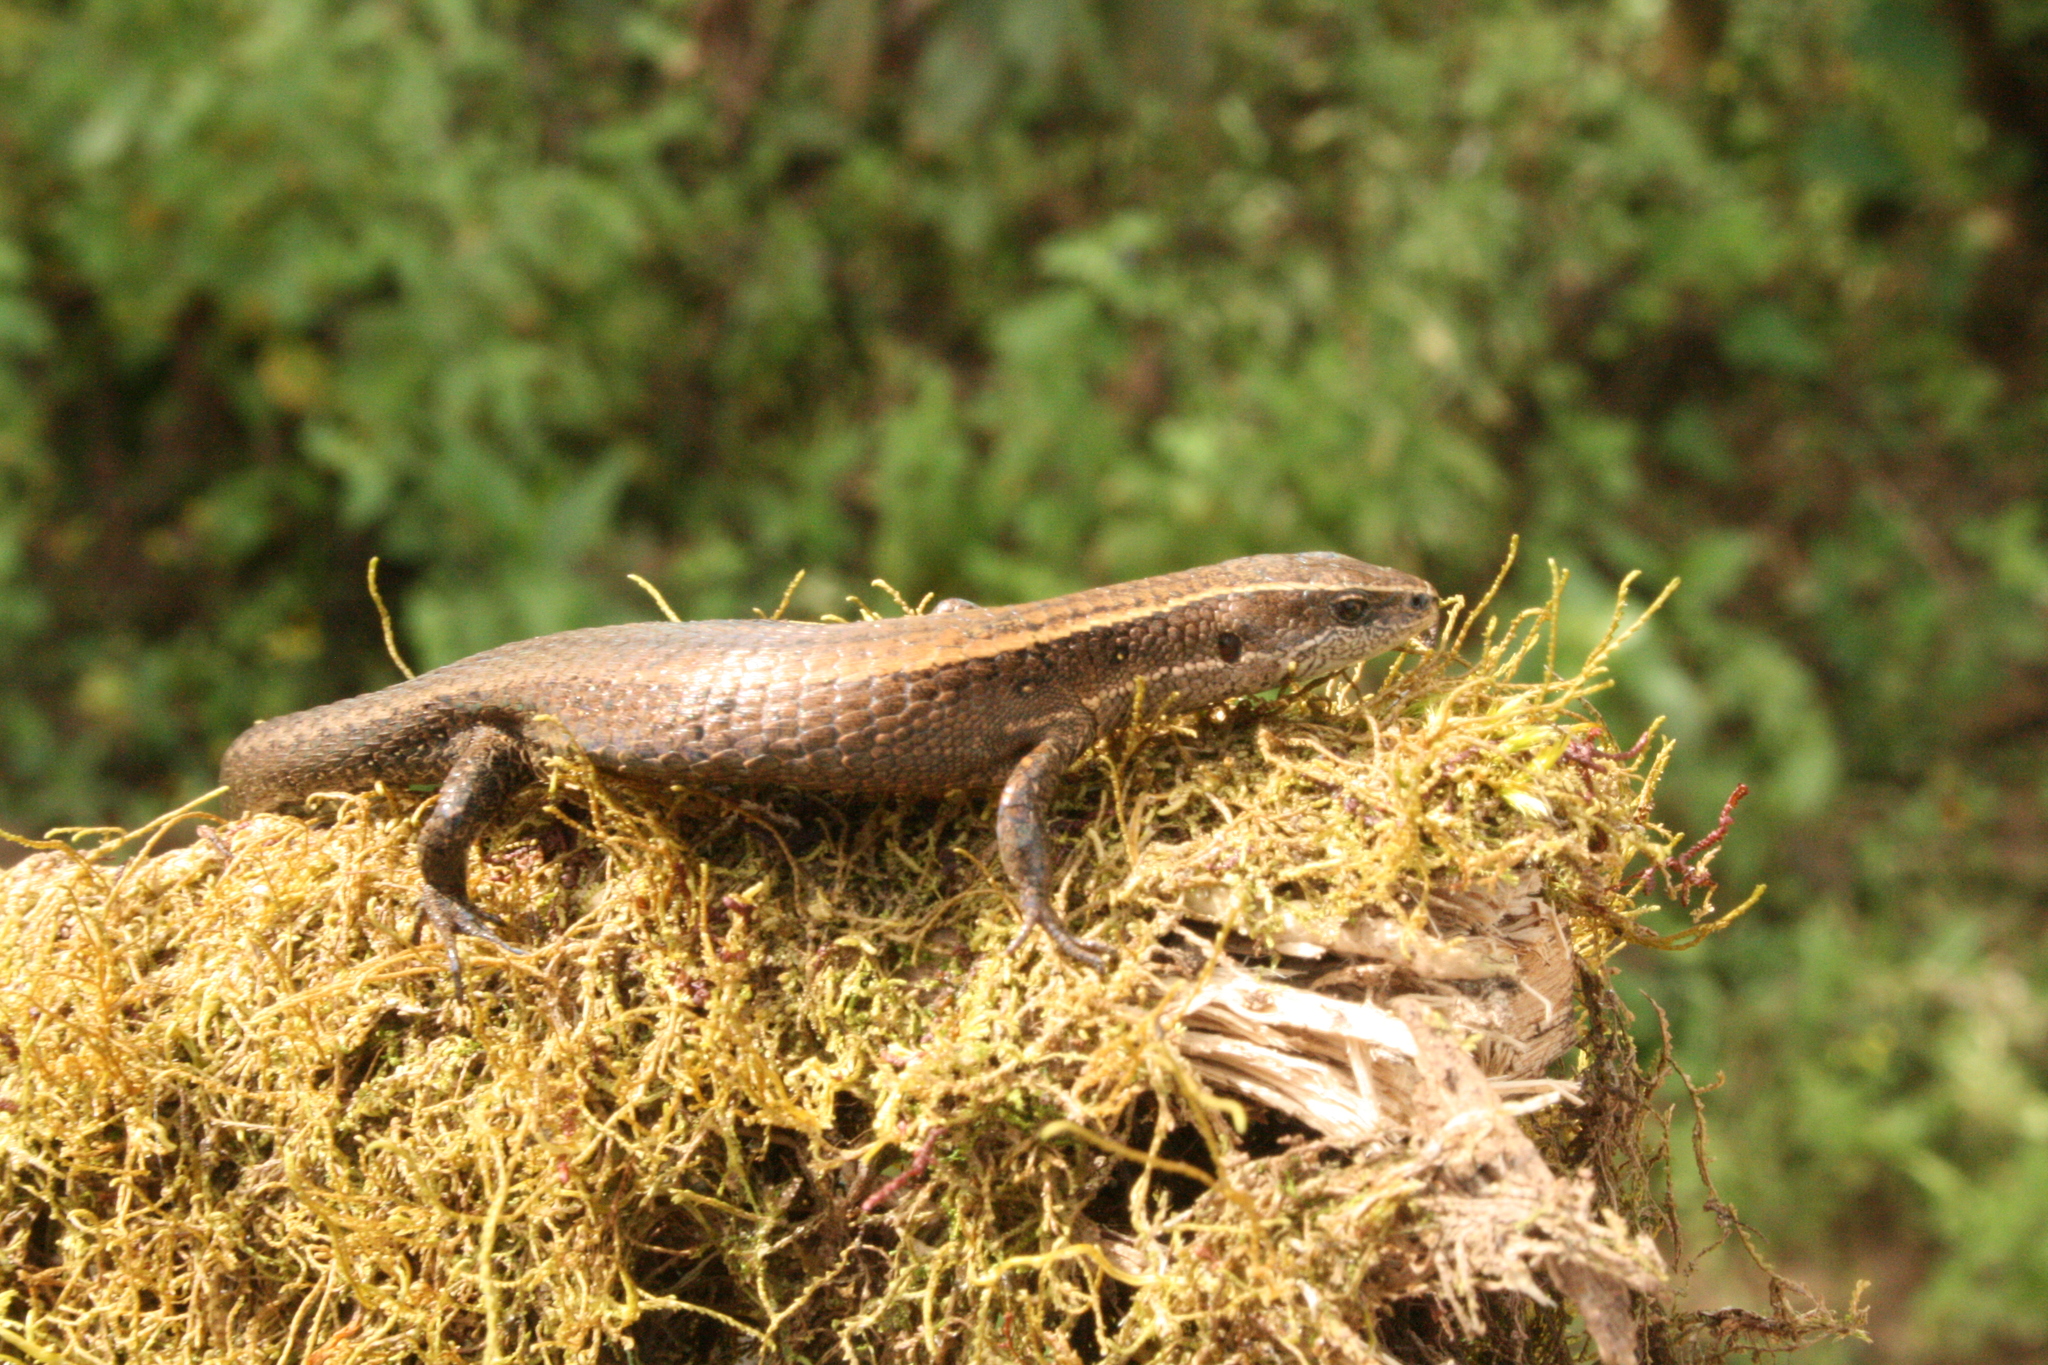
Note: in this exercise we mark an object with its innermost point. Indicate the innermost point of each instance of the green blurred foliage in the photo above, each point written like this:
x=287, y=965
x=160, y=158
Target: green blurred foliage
x=1005, y=297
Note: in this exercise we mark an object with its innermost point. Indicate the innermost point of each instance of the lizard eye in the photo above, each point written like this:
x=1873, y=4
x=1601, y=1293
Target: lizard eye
x=1349, y=611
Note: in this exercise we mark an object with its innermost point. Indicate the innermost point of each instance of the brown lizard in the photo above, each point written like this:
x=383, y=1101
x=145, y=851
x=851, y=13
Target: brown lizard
x=964, y=697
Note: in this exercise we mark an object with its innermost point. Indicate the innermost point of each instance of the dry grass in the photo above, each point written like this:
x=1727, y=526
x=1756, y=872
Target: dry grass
x=769, y=1087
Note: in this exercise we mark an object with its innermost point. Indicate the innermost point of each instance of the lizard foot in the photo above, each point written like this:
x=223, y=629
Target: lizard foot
x=1085, y=951
x=452, y=919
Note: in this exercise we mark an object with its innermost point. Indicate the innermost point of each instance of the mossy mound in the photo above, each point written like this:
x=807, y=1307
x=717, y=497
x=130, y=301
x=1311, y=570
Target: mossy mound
x=770, y=1086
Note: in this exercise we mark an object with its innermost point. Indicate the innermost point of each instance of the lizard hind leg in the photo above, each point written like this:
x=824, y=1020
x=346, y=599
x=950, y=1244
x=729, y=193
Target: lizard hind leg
x=488, y=764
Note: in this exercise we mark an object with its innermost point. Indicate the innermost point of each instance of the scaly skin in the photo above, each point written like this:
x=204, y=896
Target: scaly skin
x=965, y=697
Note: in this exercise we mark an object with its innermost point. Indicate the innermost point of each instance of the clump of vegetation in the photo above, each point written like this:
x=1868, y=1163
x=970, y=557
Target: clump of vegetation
x=768, y=1082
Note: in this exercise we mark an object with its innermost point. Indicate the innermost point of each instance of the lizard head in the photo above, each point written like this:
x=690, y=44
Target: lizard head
x=1303, y=616
x=1250, y=624
x=1345, y=611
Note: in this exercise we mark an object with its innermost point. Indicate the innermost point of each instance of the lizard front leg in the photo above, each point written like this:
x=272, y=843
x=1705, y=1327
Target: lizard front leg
x=1020, y=834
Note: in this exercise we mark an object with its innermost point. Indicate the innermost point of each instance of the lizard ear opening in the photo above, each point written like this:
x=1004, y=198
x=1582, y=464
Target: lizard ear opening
x=1230, y=645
